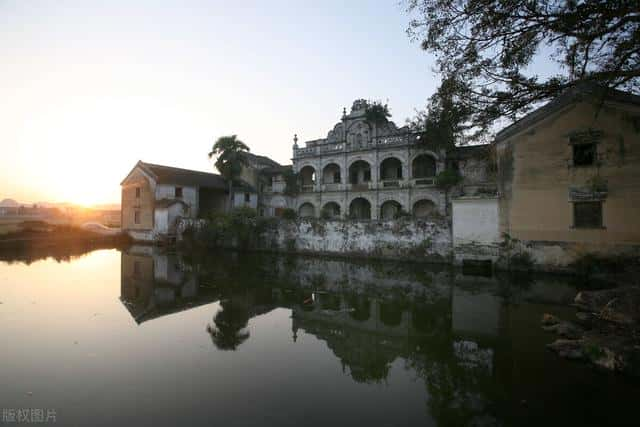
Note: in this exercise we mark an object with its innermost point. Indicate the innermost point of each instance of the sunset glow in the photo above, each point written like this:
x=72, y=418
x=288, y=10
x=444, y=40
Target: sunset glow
x=89, y=88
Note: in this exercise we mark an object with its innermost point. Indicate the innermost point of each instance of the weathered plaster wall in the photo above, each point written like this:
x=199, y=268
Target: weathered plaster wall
x=475, y=220
x=189, y=196
x=389, y=239
x=475, y=228
x=143, y=204
x=239, y=200
x=538, y=173
x=403, y=239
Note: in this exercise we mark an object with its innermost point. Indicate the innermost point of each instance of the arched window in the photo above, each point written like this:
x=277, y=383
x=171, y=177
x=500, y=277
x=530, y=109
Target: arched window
x=359, y=172
x=307, y=178
x=423, y=166
x=360, y=208
x=424, y=208
x=331, y=174
x=390, y=168
x=390, y=210
x=331, y=210
x=306, y=210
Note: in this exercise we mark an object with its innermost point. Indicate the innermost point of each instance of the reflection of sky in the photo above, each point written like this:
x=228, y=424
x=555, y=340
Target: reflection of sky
x=89, y=87
x=70, y=342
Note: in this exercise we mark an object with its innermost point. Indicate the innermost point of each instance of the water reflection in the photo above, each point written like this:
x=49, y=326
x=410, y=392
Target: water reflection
x=474, y=342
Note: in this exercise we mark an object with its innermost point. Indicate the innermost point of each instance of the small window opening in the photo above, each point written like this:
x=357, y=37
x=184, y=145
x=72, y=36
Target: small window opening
x=137, y=192
x=178, y=192
x=587, y=214
x=136, y=217
x=247, y=197
x=584, y=154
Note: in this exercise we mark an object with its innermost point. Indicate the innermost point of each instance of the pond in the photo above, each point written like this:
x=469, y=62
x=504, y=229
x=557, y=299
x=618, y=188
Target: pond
x=142, y=337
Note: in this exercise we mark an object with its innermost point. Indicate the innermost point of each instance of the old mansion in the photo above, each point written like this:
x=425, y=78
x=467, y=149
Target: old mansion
x=363, y=170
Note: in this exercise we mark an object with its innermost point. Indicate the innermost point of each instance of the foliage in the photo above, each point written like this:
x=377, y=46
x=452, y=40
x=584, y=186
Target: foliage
x=486, y=48
x=376, y=112
x=291, y=183
x=448, y=179
x=289, y=214
x=241, y=228
x=513, y=254
x=230, y=323
x=445, y=121
x=228, y=151
x=402, y=214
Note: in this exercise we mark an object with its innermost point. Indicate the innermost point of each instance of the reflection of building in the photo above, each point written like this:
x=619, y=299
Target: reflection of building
x=153, y=284
x=368, y=334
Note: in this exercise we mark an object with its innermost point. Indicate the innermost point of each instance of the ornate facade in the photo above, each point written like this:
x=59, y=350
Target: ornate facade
x=366, y=170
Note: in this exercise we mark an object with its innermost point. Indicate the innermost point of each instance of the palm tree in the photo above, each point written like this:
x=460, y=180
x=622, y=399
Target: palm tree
x=230, y=325
x=228, y=151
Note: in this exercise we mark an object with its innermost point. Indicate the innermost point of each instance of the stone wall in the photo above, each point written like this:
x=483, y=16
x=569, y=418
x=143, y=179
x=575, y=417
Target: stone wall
x=401, y=239
x=388, y=239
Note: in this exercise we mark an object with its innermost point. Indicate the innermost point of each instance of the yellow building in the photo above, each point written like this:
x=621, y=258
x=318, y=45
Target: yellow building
x=569, y=176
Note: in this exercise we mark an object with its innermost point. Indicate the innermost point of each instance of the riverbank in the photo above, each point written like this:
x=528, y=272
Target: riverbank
x=605, y=332
x=40, y=240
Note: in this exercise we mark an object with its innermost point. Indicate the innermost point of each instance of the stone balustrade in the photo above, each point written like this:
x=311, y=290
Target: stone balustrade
x=341, y=147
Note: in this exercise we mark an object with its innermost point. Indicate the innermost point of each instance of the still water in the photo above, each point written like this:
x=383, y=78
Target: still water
x=141, y=337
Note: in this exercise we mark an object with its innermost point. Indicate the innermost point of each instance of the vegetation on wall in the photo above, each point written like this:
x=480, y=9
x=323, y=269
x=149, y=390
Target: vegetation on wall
x=447, y=179
x=242, y=228
x=513, y=255
x=289, y=214
x=291, y=179
x=376, y=112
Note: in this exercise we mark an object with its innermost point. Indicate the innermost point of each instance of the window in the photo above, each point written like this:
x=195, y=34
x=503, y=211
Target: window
x=178, y=192
x=587, y=214
x=336, y=178
x=137, y=192
x=136, y=217
x=367, y=175
x=247, y=197
x=584, y=154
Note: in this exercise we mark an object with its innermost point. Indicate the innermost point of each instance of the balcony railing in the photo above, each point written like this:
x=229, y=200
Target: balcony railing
x=307, y=187
x=361, y=186
x=339, y=147
x=332, y=187
x=424, y=182
x=390, y=183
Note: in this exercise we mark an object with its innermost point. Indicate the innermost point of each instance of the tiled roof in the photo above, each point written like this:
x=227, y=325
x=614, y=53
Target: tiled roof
x=263, y=160
x=576, y=93
x=170, y=175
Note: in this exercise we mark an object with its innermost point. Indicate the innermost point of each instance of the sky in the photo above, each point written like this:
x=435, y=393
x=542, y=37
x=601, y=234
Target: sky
x=88, y=88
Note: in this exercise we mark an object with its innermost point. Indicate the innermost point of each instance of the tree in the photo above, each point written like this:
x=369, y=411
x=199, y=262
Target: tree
x=487, y=47
x=230, y=325
x=445, y=122
x=230, y=160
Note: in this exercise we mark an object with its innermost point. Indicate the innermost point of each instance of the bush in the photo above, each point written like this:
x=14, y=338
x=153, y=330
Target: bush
x=289, y=214
x=326, y=214
x=448, y=178
x=402, y=214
